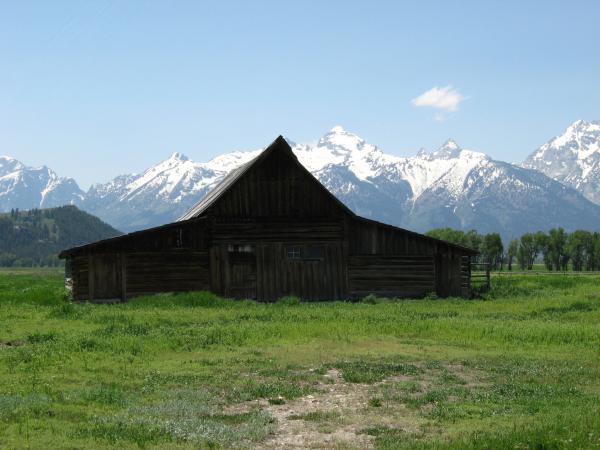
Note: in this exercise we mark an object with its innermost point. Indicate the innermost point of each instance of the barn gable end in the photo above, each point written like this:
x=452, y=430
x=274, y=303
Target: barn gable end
x=272, y=185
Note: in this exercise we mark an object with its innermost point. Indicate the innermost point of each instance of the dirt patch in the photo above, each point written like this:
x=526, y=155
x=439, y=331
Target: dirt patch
x=340, y=413
x=334, y=417
x=471, y=377
x=11, y=344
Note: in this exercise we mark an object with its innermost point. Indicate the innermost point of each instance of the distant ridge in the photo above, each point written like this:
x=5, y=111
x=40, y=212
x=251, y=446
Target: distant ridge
x=35, y=237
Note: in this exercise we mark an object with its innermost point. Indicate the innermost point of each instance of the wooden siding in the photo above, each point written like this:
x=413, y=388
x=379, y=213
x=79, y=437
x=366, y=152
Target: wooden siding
x=105, y=276
x=270, y=274
x=166, y=272
x=391, y=275
x=320, y=278
x=242, y=231
x=276, y=187
x=117, y=276
x=367, y=237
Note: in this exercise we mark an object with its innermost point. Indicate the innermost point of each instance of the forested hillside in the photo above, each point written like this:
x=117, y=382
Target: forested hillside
x=35, y=237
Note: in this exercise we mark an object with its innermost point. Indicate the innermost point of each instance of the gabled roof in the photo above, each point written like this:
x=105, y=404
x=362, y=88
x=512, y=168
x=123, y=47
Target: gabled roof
x=279, y=144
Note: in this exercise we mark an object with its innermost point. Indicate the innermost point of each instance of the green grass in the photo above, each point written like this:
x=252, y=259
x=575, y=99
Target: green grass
x=517, y=369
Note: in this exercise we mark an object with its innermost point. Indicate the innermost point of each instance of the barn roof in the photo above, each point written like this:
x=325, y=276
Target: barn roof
x=71, y=250
x=279, y=144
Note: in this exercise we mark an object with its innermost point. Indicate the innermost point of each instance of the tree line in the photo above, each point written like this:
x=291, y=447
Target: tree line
x=35, y=237
x=557, y=249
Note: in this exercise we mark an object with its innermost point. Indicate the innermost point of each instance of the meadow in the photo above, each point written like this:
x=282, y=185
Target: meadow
x=517, y=368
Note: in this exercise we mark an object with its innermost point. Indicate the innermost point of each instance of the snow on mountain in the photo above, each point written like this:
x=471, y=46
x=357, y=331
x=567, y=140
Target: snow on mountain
x=34, y=187
x=572, y=158
x=450, y=186
x=161, y=193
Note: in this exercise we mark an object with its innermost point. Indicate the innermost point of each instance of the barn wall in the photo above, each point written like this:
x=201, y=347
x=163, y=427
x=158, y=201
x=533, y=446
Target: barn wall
x=173, y=258
x=451, y=269
x=391, y=276
x=370, y=238
x=166, y=272
x=250, y=259
x=317, y=278
x=454, y=273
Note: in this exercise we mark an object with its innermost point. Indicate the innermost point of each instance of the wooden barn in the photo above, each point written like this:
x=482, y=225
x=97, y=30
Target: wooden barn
x=268, y=230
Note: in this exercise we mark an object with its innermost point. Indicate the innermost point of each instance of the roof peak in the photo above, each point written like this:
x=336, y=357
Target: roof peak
x=277, y=146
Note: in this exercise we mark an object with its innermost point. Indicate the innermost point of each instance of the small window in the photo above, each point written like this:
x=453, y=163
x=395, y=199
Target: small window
x=246, y=248
x=305, y=252
x=294, y=252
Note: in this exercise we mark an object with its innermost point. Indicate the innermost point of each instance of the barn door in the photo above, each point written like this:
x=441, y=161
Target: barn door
x=105, y=276
x=241, y=282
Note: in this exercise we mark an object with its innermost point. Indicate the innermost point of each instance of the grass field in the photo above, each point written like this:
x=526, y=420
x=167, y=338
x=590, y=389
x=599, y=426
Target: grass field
x=518, y=369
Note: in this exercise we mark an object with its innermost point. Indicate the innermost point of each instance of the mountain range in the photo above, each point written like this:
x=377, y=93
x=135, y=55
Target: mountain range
x=557, y=185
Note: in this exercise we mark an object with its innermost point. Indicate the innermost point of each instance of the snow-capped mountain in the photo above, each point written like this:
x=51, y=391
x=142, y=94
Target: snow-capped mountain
x=160, y=194
x=572, y=158
x=34, y=187
x=450, y=186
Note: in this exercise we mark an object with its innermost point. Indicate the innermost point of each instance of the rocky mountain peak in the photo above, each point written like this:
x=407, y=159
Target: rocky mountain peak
x=9, y=164
x=573, y=158
x=449, y=149
x=339, y=139
x=178, y=157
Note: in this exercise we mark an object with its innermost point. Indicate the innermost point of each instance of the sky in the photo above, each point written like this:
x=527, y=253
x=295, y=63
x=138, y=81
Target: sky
x=99, y=88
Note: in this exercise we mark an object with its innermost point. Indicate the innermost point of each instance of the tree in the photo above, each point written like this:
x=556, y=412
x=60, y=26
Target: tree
x=511, y=253
x=529, y=248
x=492, y=250
x=473, y=240
x=589, y=251
x=449, y=234
x=578, y=247
x=542, y=240
x=557, y=243
x=596, y=252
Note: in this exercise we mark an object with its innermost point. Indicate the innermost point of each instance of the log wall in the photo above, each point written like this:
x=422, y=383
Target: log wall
x=391, y=276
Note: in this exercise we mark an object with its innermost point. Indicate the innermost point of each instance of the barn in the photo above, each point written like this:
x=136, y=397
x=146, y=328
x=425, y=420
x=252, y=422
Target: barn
x=268, y=230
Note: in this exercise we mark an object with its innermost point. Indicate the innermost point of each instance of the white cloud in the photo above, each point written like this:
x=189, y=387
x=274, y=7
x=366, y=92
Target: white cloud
x=445, y=98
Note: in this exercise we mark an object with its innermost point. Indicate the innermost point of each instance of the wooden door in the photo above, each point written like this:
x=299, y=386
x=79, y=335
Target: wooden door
x=311, y=271
x=241, y=273
x=105, y=278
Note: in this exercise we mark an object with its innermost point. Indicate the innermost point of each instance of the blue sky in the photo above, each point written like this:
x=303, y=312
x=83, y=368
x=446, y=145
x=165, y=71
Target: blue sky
x=95, y=89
